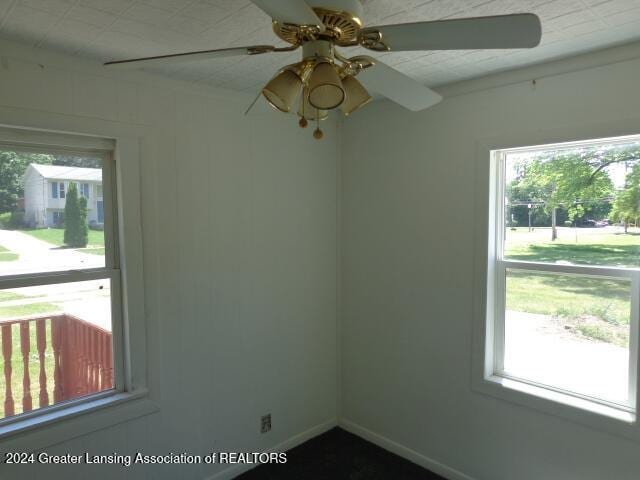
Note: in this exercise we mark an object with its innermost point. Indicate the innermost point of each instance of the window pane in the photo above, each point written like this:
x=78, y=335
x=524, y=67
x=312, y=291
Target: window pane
x=67, y=324
x=574, y=205
x=569, y=332
x=35, y=233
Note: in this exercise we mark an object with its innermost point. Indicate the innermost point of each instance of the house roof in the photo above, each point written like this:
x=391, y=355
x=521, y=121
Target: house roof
x=56, y=172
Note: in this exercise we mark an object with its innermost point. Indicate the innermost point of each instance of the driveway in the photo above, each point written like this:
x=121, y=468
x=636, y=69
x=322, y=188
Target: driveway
x=38, y=256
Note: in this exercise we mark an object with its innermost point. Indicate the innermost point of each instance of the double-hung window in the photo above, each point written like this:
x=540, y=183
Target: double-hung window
x=563, y=285
x=60, y=301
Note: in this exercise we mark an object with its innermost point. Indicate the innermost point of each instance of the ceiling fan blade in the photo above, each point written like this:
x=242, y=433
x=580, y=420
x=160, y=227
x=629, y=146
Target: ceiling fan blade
x=190, y=56
x=521, y=30
x=296, y=12
x=398, y=87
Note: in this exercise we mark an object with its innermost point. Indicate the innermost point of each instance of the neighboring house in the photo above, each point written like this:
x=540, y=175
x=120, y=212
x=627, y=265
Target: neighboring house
x=45, y=188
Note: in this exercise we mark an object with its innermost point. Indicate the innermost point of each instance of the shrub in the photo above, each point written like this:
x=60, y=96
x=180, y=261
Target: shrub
x=83, y=234
x=12, y=220
x=4, y=219
x=75, y=219
x=16, y=220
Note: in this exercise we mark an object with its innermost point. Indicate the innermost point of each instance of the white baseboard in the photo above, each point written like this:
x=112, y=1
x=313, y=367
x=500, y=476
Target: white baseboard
x=292, y=442
x=405, y=452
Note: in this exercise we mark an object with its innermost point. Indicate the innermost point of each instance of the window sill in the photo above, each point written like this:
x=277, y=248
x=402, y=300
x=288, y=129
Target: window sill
x=566, y=399
x=32, y=434
x=589, y=413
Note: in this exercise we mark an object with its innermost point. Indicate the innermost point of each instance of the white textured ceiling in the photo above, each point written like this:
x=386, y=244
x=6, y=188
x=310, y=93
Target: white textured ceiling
x=119, y=29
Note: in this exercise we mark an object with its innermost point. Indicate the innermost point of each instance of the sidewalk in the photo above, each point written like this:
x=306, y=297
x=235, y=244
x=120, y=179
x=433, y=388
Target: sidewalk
x=539, y=349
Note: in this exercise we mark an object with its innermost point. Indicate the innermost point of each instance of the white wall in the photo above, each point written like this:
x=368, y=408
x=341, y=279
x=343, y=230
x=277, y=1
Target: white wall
x=239, y=226
x=239, y=238
x=407, y=280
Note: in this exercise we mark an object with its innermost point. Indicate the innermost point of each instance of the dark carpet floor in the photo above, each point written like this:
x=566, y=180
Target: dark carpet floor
x=339, y=455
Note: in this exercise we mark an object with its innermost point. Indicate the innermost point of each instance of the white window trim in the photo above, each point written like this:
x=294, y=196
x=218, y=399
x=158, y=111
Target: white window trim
x=130, y=399
x=599, y=415
x=498, y=280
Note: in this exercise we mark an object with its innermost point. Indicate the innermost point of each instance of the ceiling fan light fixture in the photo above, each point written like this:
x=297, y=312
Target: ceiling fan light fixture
x=326, y=77
x=282, y=90
x=308, y=111
x=356, y=95
x=325, y=87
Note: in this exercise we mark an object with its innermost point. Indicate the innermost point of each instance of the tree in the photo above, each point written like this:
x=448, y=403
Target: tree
x=626, y=206
x=12, y=168
x=521, y=195
x=83, y=236
x=565, y=179
x=75, y=219
x=76, y=161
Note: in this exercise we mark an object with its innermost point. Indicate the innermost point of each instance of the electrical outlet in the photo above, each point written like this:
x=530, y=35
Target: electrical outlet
x=265, y=423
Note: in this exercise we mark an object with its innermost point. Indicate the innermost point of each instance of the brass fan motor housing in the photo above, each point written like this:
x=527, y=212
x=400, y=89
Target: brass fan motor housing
x=341, y=27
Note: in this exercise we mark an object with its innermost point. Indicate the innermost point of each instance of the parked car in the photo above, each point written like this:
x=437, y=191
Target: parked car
x=596, y=223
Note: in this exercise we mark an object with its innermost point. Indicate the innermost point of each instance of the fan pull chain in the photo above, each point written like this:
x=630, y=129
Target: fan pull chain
x=303, y=120
x=317, y=134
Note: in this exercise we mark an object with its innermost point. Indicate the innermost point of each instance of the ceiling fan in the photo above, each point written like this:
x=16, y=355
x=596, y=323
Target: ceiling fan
x=325, y=79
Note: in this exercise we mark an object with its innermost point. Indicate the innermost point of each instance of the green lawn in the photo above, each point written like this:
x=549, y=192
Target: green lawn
x=8, y=296
x=92, y=250
x=7, y=255
x=591, y=247
x=17, y=311
x=594, y=308
x=55, y=236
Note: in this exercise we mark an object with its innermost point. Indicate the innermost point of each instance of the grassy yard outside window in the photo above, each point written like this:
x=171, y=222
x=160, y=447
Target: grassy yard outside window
x=564, y=278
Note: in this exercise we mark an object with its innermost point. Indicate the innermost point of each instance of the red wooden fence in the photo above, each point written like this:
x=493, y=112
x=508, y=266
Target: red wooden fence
x=82, y=359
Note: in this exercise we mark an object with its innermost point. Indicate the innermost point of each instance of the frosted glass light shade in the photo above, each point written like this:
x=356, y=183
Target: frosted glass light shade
x=308, y=111
x=282, y=90
x=325, y=87
x=356, y=95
